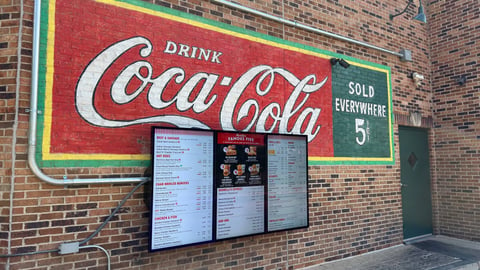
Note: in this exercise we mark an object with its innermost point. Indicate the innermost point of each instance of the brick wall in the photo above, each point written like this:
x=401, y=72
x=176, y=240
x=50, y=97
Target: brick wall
x=455, y=53
x=353, y=209
x=9, y=25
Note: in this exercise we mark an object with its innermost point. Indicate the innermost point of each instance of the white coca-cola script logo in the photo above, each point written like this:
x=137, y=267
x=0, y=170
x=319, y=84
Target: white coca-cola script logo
x=204, y=99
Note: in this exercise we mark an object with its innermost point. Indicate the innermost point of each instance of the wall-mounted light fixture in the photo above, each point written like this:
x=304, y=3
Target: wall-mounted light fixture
x=419, y=17
x=417, y=78
x=342, y=62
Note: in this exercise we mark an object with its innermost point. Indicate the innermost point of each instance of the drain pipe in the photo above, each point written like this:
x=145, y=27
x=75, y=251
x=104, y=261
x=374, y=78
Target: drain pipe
x=405, y=55
x=32, y=138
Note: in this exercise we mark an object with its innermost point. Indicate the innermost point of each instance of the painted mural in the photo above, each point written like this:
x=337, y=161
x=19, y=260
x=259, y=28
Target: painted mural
x=109, y=70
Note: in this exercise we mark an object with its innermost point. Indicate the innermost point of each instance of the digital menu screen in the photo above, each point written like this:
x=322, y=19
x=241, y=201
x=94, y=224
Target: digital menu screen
x=287, y=182
x=241, y=176
x=182, y=199
x=214, y=185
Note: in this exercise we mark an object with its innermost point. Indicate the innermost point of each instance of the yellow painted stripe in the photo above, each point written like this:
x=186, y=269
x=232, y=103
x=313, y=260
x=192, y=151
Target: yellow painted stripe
x=348, y=159
x=390, y=124
x=97, y=157
x=49, y=81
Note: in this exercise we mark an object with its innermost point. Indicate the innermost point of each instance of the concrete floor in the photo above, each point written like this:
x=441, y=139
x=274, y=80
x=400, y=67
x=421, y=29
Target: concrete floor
x=431, y=253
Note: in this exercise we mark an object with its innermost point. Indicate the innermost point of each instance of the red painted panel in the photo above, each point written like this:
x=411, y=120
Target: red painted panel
x=118, y=71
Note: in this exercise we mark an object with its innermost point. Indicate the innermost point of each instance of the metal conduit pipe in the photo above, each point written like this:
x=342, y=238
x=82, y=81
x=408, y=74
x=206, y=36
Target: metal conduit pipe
x=33, y=122
x=404, y=54
x=104, y=251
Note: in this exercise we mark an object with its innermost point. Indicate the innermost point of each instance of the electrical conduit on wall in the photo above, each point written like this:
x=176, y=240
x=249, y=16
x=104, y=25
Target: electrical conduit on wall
x=14, y=132
x=401, y=54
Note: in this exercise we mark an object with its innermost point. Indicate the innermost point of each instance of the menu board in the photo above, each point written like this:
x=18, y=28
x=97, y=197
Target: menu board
x=240, y=184
x=287, y=182
x=182, y=201
x=215, y=185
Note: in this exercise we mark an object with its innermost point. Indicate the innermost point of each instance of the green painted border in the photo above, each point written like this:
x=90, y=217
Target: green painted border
x=144, y=163
x=44, y=19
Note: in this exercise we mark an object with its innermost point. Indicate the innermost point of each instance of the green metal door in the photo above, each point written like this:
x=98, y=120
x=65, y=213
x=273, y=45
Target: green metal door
x=415, y=181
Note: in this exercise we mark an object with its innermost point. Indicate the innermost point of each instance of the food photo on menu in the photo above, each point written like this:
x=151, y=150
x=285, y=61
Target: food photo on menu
x=226, y=180
x=239, y=173
x=251, y=151
x=255, y=174
x=240, y=170
x=226, y=170
x=231, y=150
x=254, y=169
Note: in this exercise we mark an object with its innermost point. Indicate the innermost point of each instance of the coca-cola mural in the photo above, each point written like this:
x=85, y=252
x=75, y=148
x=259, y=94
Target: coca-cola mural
x=109, y=70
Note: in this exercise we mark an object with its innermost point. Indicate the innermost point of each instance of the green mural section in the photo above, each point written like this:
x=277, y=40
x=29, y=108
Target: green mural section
x=361, y=113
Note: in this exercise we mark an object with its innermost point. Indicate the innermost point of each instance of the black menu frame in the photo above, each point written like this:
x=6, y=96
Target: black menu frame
x=210, y=185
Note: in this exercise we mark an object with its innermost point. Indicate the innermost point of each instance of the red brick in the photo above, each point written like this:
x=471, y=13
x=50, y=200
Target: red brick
x=373, y=193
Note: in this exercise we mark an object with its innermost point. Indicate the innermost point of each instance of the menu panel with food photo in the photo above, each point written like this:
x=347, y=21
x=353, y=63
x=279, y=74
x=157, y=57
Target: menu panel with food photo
x=241, y=159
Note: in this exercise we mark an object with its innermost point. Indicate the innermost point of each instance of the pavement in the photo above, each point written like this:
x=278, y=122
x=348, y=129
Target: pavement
x=429, y=253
